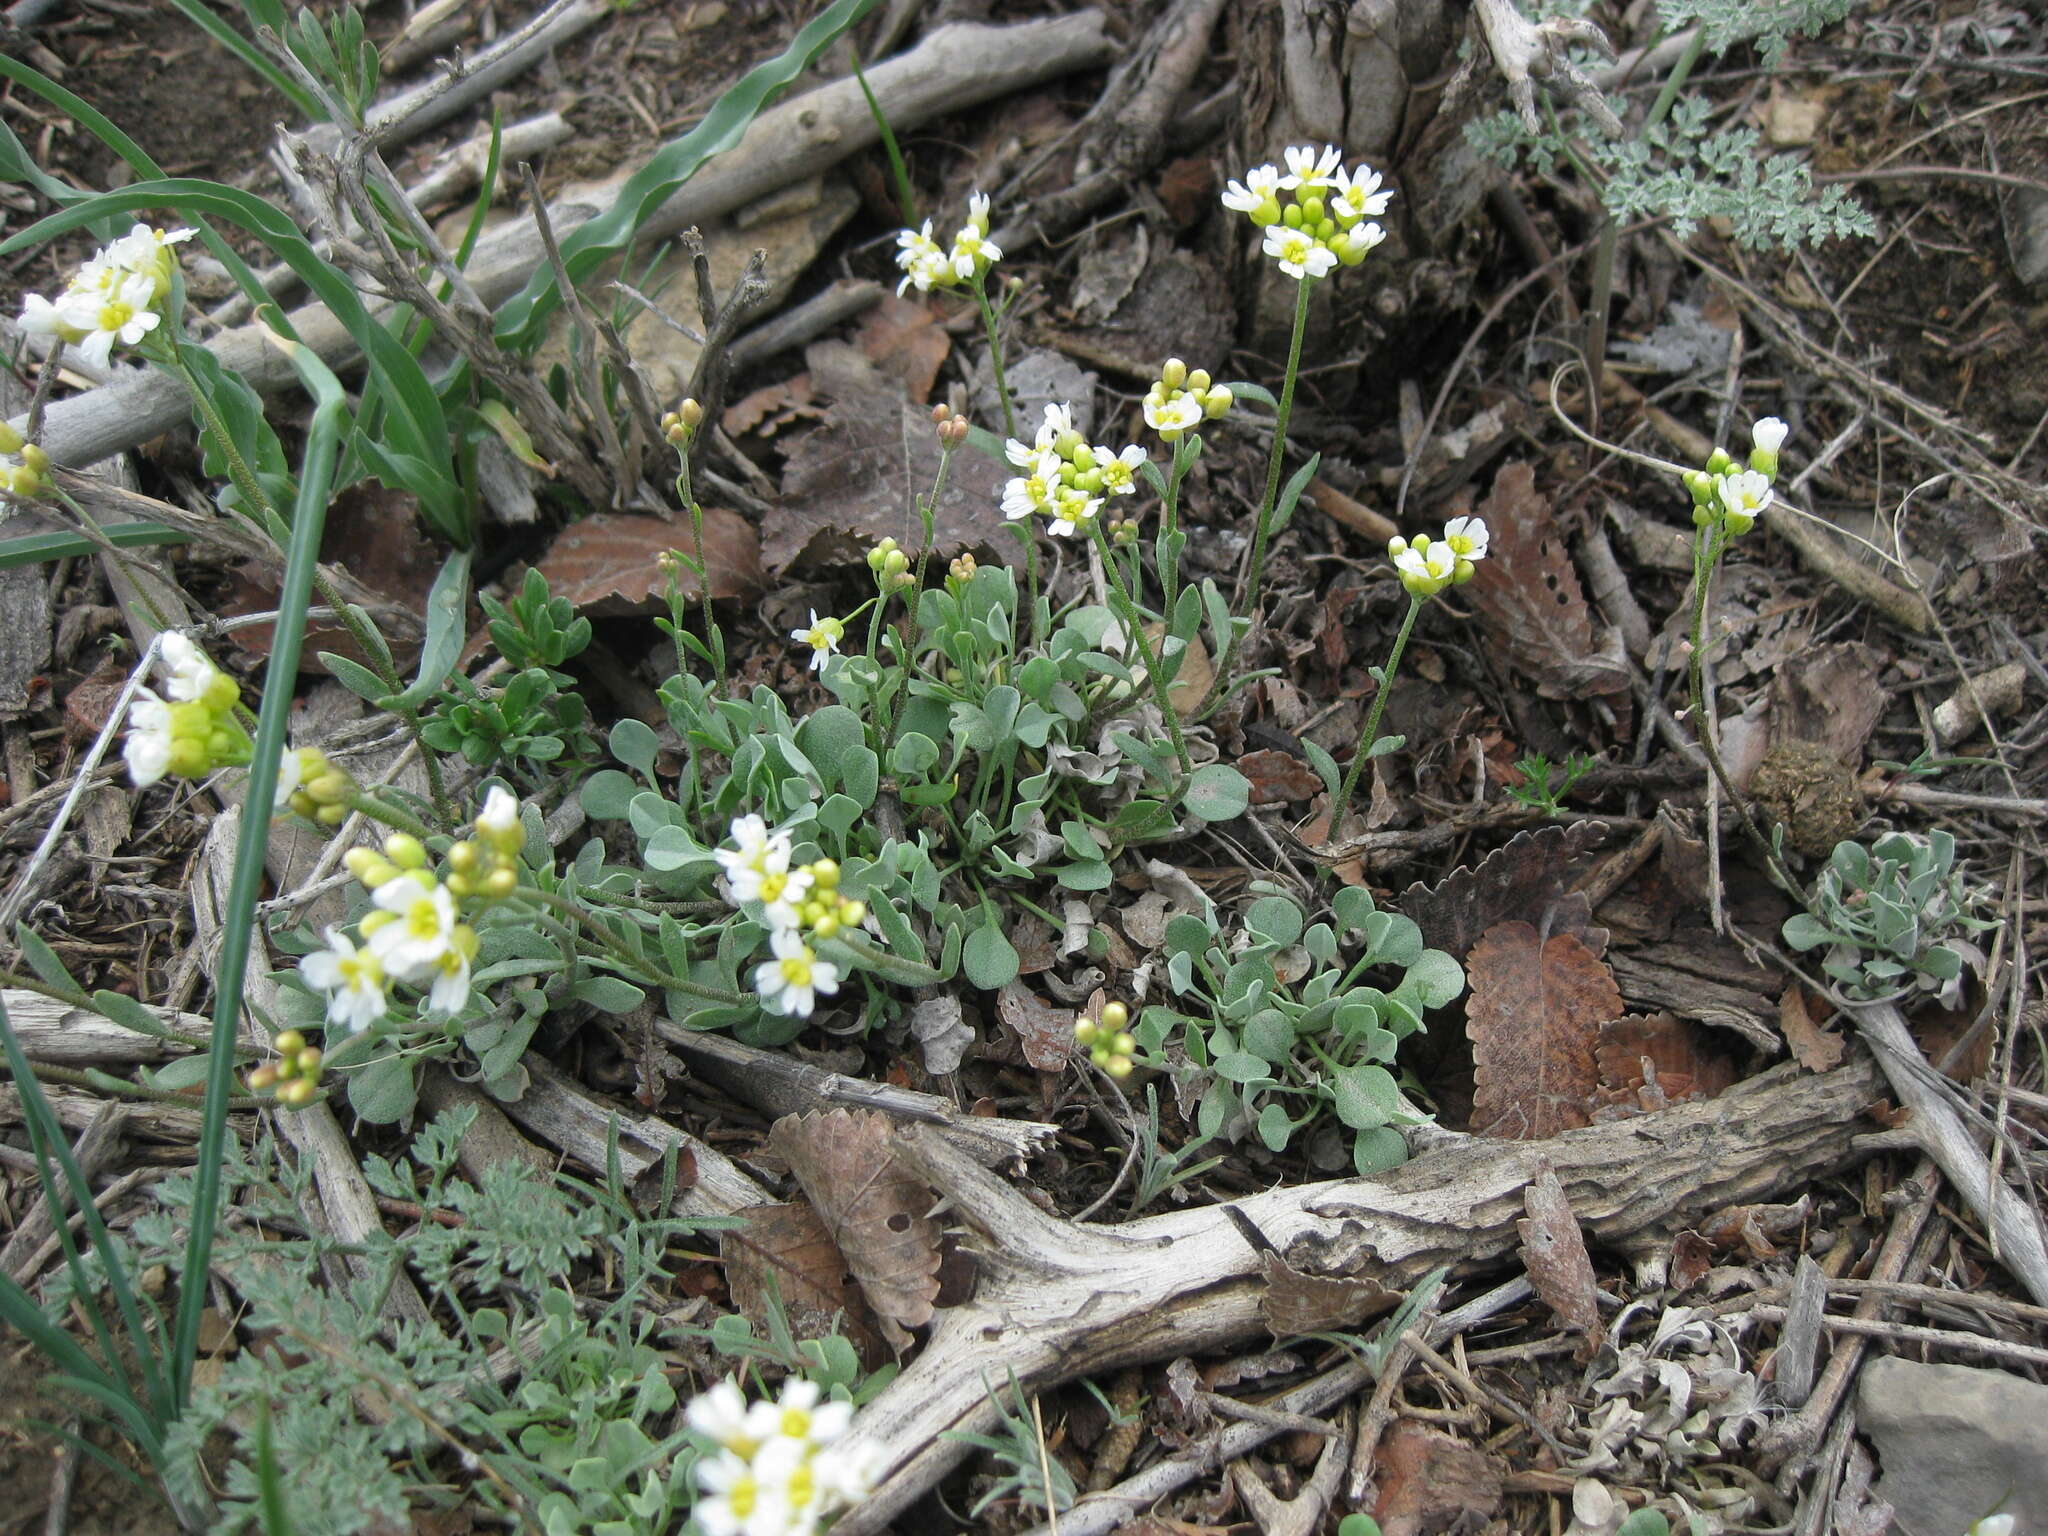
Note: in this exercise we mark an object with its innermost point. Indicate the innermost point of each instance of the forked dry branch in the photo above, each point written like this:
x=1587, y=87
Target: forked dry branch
x=1055, y=1300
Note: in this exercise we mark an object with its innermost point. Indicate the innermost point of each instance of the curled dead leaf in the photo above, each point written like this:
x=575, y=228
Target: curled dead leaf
x=609, y=564
x=1295, y=1303
x=1554, y=1253
x=1045, y=1032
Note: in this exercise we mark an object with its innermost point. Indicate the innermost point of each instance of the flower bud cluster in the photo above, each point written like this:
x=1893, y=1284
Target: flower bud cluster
x=776, y=1470
x=309, y=783
x=1427, y=565
x=892, y=574
x=952, y=426
x=414, y=933
x=24, y=467
x=115, y=298
x=191, y=728
x=960, y=570
x=294, y=1077
x=1064, y=479
x=797, y=904
x=680, y=425
x=1730, y=499
x=927, y=265
x=1107, y=1040
x=1327, y=217
x=1180, y=400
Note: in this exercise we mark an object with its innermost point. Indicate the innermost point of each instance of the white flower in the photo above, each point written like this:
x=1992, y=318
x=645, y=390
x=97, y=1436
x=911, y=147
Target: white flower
x=1353, y=244
x=1746, y=494
x=719, y=1414
x=147, y=253
x=1072, y=512
x=1034, y=492
x=289, y=776
x=1359, y=195
x=796, y=978
x=352, y=978
x=122, y=315
x=1309, y=167
x=1426, y=569
x=1119, y=470
x=1466, y=537
x=411, y=945
x=451, y=982
x=796, y=1417
x=822, y=636
x=1260, y=185
x=758, y=870
x=922, y=259
x=1300, y=255
x=977, y=210
x=148, y=747
x=1174, y=416
x=39, y=317
x=187, y=669
x=1990, y=1525
x=973, y=252
x=740, y=1500
x=500, y=813
x=1769, y=434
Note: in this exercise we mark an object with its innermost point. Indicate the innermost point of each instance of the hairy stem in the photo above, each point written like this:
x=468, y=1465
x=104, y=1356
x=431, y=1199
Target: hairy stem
x=1371, y=733
x=1127, y=615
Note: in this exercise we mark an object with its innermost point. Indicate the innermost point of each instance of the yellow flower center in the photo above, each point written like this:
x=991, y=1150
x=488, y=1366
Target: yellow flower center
x=742, y=1497
x=796, y=1423
x=114, y=315
x=801, y=1486
x=796, y=970
x=421, y=920
x=773, y=886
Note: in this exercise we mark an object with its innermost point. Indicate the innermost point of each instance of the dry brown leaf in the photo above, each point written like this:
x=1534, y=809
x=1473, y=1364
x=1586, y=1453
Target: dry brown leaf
x=1535, y=1009
x=1045, y=1032
x=772, y=407
x=1829, y=696
x=1527, y=876
x=1295, y=1304
x=1554, y=1254
x=609, y=564
x=1691, y=1257
x=784, y=1252
x=875, y=1212
x=1665, y=1055
x=1529, y=595
x=1433, y=1481
x=1812, y=1047
x=853, y=478
x=904, y=340
x=1749, y=1230
x=1279, y=777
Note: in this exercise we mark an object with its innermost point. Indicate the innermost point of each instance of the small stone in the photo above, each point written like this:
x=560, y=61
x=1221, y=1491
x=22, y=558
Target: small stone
x=1956, y=1443
x=1790, y=123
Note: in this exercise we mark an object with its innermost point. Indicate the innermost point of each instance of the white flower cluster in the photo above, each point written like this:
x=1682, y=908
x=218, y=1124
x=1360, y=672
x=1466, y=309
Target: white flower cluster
x=927, y=265
x=414, y=932
x=1731, y=498
x=1429, y=565
x=797, y=904
x=1328, y=219
x=117, y=297
x=776, y=1471
x=1064, y=479
x=1180, y=401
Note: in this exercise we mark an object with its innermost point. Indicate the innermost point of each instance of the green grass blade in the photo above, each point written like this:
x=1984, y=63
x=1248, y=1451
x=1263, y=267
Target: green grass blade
x=214, y=27
x=586, y=247
x=416, y=429
x=906, y=201
x=35, y=548
x=486, y=190
x=280, y=681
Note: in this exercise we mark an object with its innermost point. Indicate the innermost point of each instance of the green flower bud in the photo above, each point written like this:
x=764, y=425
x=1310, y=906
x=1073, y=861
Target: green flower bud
x=406, y=851
x=1172, y=376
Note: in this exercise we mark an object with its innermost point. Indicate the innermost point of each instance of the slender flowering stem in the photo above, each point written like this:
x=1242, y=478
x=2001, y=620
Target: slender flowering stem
x=995, y=354
x=714, y=638
x=1127, y=615
x=928, y=514
x=1169, y=527
x=1371, y=733
x=1275, y=462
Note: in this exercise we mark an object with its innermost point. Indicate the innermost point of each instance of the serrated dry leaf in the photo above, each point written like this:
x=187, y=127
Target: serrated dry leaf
x=875, y=1212
x=1528, y=594
x=785, y=1252
x=1535, y=1010
x=1045, y=1032
x=609, y=564
x=1554, y=1254
x=904, y=340
x=1812, y=1047
x=1433, y=1481
x=1665, y=1055
x=1279, y=777
x=1294, y=1304
x=772, y=407
x=1527, y=876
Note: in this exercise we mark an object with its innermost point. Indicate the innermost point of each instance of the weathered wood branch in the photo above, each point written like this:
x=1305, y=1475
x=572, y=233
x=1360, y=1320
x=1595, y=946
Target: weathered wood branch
x=1056, y=1300
x=956, y=67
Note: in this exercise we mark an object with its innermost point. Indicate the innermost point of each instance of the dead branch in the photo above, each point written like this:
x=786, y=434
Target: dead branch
x=1057, y=1300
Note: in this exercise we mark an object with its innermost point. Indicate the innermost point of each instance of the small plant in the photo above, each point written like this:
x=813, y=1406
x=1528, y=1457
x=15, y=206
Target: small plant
x=1896, y=918
x=1027, y=1472
x=1274, y=1057
x=1538, y=791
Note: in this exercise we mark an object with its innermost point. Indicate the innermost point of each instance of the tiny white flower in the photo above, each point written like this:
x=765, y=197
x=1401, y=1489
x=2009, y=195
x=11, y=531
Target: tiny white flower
x=822, y=636
x=451, y=983
x=123, y=316
x=187, y=669
x=1261, y=184
x=1026, y=494
x=1072, y=512
x=411, y=946
x=1745, y=494
x=1358, y=240
x=1769, y=435
x=1466, y=537
x=1426, y=570
x=719, y=1414
x=39, y=317
x=289, y=776
x=1119, y=470
x=146, y=251
x=923, y=260
x=1359, y=195
x=796, y=1416
x=792, y=982
x=500, y=813
x=352, y=978
x=148, y=747
x=1309, y=167
x=977, y=210
x=758, y=870
x=973, y=252
x=738, y=1499
x=1300, y=255
x=1173, y=416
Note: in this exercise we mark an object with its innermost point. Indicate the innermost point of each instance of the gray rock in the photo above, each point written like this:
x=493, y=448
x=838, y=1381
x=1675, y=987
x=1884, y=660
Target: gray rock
x=1956, y=1442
